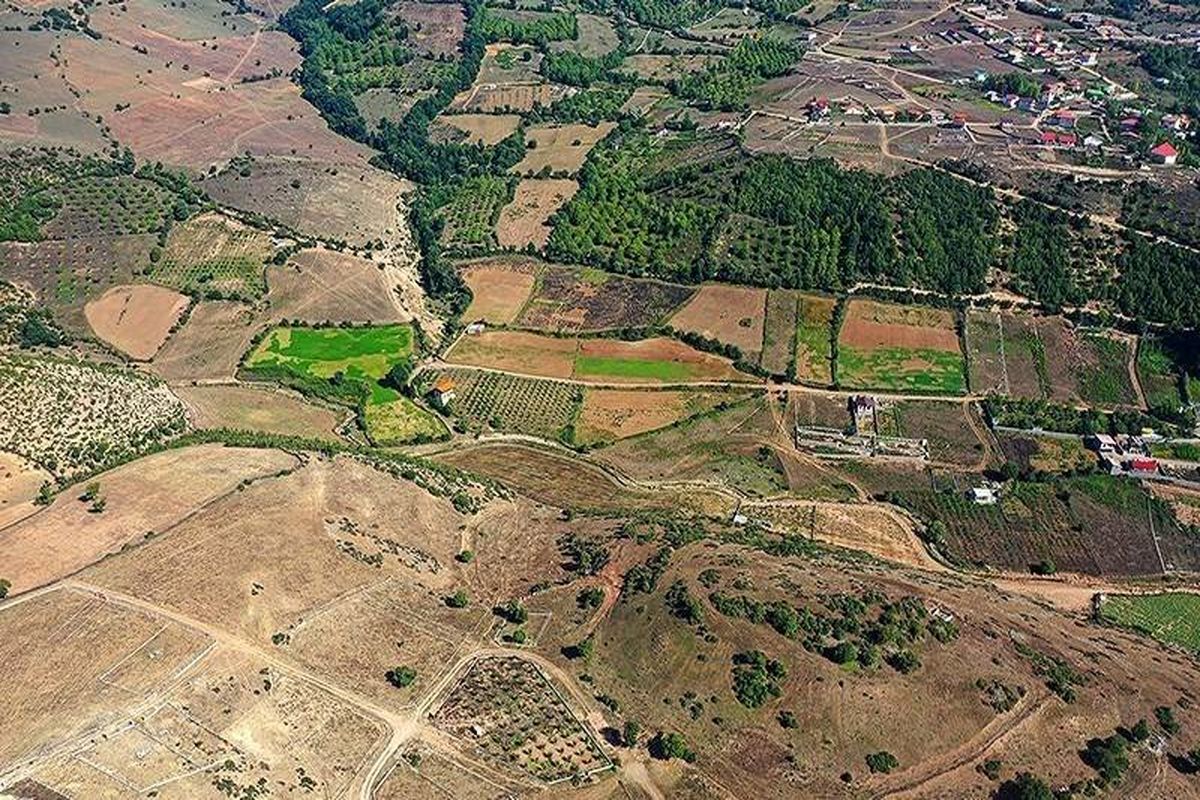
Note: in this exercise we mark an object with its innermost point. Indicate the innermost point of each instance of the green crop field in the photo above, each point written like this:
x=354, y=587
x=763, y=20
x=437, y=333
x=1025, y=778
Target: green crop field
x=1173, y=618
x=901, y=369
x=610, y=367
x=346, y=364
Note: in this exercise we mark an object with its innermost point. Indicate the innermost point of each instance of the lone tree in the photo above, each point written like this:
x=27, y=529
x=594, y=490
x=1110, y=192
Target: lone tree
x=665, y=746
x=4, y=587
x=883, y=761
x=459, y=599
x=631, y=732
x=401, y=677
x=1024, y=787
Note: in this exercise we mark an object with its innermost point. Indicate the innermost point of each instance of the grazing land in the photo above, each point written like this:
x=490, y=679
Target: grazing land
x=20, y=481
x=559, y=148
x=609, y=415
x=251, y=408
x=487, y=129
x=136, y=319
x=814, y=337
x=211, y=343
x=899, y=348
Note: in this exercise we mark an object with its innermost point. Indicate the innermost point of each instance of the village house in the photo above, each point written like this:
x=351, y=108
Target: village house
x=1165, y=154
x=443, y=391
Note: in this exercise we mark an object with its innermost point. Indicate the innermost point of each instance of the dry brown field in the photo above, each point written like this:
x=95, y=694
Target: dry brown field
x=352, y=202
x=523, y=221
x=143, y=498
x=250, y=408
x=499, y=292
x=560, y=148
x=210, y=345
x=517, y=351
x=434, y=28
x=731, y=314
x=487, y=129
x=611, y=414
x=870, y=325
x=19, y=484
x=510, y=98
x=570, y=299
x=136, y=319
x=325, y=285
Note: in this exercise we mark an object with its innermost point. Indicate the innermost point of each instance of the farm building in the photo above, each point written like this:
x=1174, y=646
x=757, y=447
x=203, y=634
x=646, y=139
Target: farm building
x=1102, y=443
x=984, y=496
x=1142, y=466
x=477, y=327
x=1165, y=154
x=443, y=391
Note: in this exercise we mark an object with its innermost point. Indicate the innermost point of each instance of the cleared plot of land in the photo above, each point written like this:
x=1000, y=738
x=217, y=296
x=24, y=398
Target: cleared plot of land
x=611, y=414
x=560, y=148
x=523, y=221
x=136, y=319
x=210, y=344
x=1052, y=454
x=944, y=425
x=434, y=29
x=327, y=286
x=666, y=67
x=899, y=348
x=510, y=403
x=730, y=314
x=351, y=202
x=593, y=300
x=19, y=484
x=657, y=360
x=510, y=98
x=250, y=408
x=487, y=129
x=779, y=331
x=498, y=291
x=1173, y=618
x=71, y=416
x=144, y=497
x=212, y=253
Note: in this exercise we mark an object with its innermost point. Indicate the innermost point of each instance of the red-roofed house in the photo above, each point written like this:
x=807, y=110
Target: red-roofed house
x=443, y=391
x=1068, y=139
x=1142, y=466
x=1165, y=153
x=1049, y=137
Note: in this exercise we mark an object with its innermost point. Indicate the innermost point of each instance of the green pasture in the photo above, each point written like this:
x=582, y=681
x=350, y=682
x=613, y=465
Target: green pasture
x=632, y=368
x=902, y=369
x=1173, y=618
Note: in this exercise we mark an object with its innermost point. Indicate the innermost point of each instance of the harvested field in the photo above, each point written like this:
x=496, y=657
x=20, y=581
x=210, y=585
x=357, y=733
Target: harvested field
x=72, y=416
x=523, y=221
x=142, y=498
x=213, y=252
x=517, y=351
x=780, y=332
x=498, y=292
x=730, y=314
x=327, y=286
x=560, y=148
x=210, y=344
x=486, y=129
x=899, y=348
x=612, y=414
x=510, y=98
x=66, y=274
x=348, y=202
x=136, y=319
x=20, y=481
x=249, y=408
x=593, y=300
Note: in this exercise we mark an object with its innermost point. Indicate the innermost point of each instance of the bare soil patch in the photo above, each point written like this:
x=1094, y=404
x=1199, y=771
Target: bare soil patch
x=523, y=221
x=731, y=314
x=611, y=414
x=143, y=497
x=568, y=299
x=870, y=325
x=136, y=319
x=252, y=408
